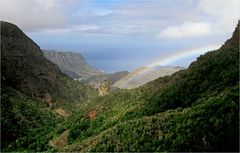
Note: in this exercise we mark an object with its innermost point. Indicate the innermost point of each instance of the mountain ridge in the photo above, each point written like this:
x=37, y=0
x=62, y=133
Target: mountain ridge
x=20, y=53
x=143, y=75
x=75, y=66
x=71, y=63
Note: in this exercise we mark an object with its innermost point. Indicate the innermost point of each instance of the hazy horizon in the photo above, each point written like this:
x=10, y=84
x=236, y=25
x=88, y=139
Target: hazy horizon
x=124, y=35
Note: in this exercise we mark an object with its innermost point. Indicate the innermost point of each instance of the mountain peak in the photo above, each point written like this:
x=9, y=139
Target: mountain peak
x=234, y=40
x=26, y=69
x=13, y=35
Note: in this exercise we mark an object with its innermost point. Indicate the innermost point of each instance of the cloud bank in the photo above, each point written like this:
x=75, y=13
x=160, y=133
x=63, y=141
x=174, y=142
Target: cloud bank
x=164, y=19
x=188, y=29
x=33, y=14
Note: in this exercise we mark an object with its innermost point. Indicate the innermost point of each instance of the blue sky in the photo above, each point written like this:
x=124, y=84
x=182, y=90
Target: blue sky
x=118, y=35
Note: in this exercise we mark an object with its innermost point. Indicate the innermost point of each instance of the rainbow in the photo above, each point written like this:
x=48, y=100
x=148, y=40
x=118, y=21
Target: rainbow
x=166, y=60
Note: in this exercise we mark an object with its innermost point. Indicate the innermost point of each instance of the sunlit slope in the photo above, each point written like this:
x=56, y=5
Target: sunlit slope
x=143, y=75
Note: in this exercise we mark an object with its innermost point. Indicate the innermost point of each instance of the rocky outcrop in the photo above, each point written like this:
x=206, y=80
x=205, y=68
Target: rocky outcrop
x=60, y=141
x=91, y=115
x=104, y=88
x=61, y=112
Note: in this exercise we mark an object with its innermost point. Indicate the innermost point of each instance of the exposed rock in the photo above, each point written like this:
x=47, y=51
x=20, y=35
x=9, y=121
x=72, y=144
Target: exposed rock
x=104, y=88
x=60, y=141
x=48, y=99
x=61, y=112
x=91, y=114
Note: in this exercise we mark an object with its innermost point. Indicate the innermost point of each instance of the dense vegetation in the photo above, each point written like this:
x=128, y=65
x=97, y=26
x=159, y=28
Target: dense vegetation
x=31, y=88
x=196, y=109
x=193, y=110
x=25, y=123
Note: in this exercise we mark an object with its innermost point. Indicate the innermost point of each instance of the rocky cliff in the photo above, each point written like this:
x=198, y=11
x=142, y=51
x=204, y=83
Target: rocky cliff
x=71, y=63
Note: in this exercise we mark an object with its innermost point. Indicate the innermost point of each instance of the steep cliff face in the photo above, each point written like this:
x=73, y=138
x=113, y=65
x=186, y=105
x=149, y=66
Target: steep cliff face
x=234, y=40
x=23, y=67
x=71, y=63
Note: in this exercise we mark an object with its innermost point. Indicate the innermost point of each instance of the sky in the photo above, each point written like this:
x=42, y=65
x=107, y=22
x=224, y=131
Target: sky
x=115, y=35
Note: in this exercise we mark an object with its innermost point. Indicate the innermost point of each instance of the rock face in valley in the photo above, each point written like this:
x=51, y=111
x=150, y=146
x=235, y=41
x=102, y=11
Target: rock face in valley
x=104, y=88
x=143, y=75
x=71, y=63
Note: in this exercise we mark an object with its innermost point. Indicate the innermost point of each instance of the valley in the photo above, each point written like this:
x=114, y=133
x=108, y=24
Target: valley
x=75, y=66
x=152, y=109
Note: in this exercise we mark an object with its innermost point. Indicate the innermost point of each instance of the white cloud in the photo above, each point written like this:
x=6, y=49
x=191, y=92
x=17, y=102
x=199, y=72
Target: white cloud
x=33, y=14
x=221, y=13
x=185, y=30
x=143, y=19
x=102, y=12
x=76, y=28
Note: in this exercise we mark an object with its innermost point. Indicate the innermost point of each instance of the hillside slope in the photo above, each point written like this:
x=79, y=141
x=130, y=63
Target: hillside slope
x=71, y=63
x=112, y=78
x=193, y=110
x=32, y=87
x=143, y=75
x=26, y=69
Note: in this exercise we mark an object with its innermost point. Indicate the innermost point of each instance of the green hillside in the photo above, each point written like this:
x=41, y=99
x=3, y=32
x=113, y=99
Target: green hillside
x=31, y=88
x=196, y=109
x=193, y=110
